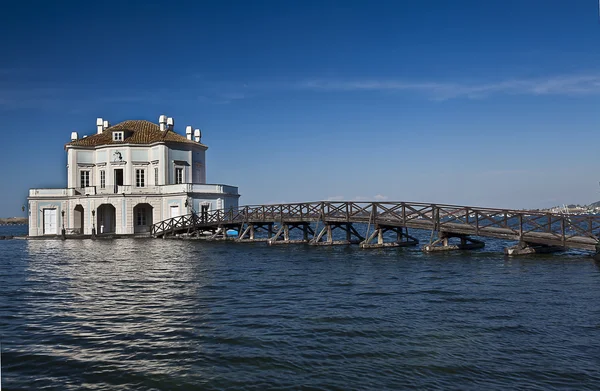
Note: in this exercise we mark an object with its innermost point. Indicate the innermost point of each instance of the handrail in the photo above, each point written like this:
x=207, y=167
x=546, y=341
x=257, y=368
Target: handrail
x=504, y=223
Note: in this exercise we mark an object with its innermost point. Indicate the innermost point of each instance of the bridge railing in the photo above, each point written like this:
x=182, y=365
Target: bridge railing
x=421, y=215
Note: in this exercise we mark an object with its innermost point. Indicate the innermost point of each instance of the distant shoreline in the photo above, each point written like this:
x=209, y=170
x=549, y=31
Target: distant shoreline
x=13, y=221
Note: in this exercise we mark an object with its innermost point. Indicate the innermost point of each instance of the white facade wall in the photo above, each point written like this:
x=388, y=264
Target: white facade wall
x=106, y=159
x=160, y=195
x=125, y=218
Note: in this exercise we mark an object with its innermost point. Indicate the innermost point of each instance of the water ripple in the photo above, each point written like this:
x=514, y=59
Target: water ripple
x=174, y=315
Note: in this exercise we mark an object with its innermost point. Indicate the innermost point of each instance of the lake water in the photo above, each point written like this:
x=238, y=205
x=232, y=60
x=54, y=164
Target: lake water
x=143, y=314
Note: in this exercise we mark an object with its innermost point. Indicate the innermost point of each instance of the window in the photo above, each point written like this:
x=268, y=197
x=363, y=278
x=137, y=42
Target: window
x=139, y=178
x=178, y=175
x=141, y=216
x=84, y=179
x=156, y=176
x=117, y=136
x=102, y=179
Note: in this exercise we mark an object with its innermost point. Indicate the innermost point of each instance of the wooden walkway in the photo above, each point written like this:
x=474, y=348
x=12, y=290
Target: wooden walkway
x=534, y=231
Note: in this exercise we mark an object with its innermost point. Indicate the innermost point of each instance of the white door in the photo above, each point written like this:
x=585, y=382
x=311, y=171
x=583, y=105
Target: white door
x=174, y=210
x=50, y=226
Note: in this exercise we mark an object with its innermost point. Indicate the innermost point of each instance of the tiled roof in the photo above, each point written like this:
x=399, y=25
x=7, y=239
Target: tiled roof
x=136, y=132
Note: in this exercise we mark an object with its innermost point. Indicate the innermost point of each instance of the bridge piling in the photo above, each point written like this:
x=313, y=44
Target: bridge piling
x=524, y=248
x=597, y=254
x=328, y=232
x=220, y=233
x=443, y=244
x=249, y=233
x=283, y=234
x=403, y=239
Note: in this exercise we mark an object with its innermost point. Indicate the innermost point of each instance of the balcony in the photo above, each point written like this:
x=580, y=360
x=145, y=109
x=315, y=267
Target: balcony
x=220, y=189
x=48, y=192
x=128, y=189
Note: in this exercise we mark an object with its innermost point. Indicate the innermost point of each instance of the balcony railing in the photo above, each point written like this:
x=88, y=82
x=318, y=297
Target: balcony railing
x=128, y=189
x=49, y=192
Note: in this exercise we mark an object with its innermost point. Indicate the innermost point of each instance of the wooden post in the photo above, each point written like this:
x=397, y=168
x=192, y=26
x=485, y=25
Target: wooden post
x=374, y=212
x=286, y=232
x=403, y=213
x=520, y=226
x=348, y=234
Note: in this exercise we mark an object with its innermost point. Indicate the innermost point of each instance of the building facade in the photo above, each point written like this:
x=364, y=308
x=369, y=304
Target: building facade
x=127, y=177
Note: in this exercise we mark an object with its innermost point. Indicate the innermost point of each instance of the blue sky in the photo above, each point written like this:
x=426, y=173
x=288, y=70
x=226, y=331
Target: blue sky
x=491, y=103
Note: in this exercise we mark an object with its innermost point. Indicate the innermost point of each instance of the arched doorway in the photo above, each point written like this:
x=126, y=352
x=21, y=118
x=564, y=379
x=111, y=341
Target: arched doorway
x=78, y=220
x=106, y=219
x=142, y=218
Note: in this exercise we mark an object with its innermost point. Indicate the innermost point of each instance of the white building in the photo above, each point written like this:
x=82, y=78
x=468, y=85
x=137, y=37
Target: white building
x=127, y=177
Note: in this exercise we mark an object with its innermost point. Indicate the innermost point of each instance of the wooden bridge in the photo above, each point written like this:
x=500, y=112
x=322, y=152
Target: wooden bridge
x=452, y=227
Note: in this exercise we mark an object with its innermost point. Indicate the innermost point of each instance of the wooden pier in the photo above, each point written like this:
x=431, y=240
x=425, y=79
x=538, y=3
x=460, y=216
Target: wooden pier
x=534, y=231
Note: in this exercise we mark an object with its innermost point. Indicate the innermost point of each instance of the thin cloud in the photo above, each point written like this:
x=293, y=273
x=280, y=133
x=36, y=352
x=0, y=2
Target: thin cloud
x=582, y=84
x=567, y=85
x=54, y=97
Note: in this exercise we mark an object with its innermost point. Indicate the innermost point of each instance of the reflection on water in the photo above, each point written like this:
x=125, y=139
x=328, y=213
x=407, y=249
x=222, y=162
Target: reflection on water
x=175, y=315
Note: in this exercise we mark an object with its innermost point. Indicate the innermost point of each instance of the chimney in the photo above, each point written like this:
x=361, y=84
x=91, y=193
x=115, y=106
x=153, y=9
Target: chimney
x=74, y=136
x=170, y=123
x=105, y=125
x=162, y=121
x=188, y=132
x=99, y=125
x=197, y=135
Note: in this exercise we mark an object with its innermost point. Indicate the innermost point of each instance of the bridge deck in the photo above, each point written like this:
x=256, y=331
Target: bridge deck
x=533, y=227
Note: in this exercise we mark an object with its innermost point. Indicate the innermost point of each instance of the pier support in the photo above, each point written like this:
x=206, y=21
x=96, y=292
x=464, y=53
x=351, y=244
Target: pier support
x=219, y=234
x=524, y=248
x=403, y=239
x=249, y=233
x=325, y=236
x=597, y=255
x=443, y=243
x=283, y=234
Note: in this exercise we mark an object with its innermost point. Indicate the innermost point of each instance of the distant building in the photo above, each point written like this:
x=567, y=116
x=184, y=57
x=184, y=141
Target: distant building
x=126, y=177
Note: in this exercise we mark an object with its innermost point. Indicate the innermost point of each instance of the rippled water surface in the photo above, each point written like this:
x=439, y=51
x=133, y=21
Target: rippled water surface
x=180, y=315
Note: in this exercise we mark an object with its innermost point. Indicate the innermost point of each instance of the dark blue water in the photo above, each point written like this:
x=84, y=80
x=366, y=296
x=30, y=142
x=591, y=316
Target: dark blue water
x=179, y=315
